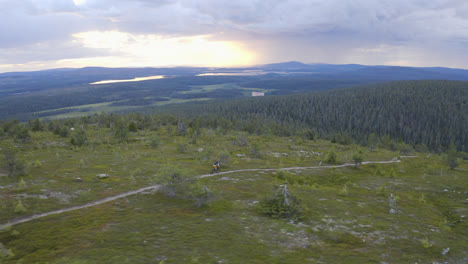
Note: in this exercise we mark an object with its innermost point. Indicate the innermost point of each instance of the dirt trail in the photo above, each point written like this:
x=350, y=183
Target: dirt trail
x=76, y=207
x=301, y=168
x=155, y=187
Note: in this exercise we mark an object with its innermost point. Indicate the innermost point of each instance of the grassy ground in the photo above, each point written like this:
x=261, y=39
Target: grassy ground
x=224, y=86
x=346, y=215
x=90, y=109
x=86, y=110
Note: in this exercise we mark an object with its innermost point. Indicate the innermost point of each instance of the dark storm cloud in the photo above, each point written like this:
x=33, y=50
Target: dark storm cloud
x=33, y=22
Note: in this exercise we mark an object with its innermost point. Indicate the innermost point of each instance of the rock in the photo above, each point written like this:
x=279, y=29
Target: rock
x=445, y=251
x=228, y=179
x=102, y=176
x=200, y=150
x=78, y=179
x=62, y=197
x=240, y=155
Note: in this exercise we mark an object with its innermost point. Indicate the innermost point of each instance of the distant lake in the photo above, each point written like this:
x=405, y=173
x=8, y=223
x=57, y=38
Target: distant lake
x=250, y=73
x=137, y=79
x=242, y=73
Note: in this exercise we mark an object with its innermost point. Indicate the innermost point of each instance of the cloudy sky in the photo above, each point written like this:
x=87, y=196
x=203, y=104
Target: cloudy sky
x=43, y=34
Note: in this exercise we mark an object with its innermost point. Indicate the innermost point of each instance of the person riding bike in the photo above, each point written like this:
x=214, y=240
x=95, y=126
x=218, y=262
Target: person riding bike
x=216, y=166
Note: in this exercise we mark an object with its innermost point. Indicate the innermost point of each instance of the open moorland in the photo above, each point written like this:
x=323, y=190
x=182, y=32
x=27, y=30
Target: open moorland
x=295, y=199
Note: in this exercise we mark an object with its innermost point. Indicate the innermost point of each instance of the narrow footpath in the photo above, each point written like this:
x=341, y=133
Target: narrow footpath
x=157, y=186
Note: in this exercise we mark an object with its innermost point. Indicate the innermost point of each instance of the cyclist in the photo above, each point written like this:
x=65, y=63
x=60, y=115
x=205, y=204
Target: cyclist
x=216, y=166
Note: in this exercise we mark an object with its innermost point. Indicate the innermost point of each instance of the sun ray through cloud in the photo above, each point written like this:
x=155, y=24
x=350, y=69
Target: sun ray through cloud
x=155, y=50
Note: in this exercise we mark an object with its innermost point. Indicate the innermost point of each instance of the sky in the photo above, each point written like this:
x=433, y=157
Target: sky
x=45, y=34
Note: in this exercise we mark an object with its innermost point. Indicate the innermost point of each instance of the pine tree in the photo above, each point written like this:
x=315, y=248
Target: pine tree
x=452, y=161
x=357, y=158
x=36, y=125
x=132, y=127
x=331, y=157
x=19, y=209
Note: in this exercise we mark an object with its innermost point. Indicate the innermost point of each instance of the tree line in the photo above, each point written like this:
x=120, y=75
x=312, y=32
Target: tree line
x=425, y=114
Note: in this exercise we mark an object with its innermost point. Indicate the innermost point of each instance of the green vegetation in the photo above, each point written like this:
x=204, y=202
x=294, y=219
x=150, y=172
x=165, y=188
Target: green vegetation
x=452, y=157
x=281, y=205
x=337, y=214
x=398, y=197
x=357, y=158
x=331, y=157
x=11, y=163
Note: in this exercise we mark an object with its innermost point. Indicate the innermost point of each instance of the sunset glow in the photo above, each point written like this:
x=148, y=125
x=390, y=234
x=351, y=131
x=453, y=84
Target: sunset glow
x=79, y=2
x=154, y=50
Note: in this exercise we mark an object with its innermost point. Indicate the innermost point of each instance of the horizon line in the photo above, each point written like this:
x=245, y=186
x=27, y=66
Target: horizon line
x=227, y=67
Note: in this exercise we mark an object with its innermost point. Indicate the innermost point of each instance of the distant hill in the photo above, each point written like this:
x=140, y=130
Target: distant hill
x=286, y=65
x=294, y=66
x=357, y=71
x=22, y=82
x=406, y=73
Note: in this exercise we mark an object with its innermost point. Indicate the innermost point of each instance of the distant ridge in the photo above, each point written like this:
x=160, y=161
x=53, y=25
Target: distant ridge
x=369, y=72
x=287, y=65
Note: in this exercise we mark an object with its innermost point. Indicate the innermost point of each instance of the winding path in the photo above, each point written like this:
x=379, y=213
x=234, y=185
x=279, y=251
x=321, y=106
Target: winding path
x=76, y=207
x=157, y=186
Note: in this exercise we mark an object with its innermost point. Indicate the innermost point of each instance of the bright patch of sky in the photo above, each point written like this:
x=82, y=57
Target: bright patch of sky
x=150, y=49
x=79, y=2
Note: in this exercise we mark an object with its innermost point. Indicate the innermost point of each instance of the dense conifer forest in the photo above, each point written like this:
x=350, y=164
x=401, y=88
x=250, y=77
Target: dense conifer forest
x=432, y=114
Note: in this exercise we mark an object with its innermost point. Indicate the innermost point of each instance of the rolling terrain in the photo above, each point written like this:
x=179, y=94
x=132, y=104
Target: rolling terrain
x=63, y=93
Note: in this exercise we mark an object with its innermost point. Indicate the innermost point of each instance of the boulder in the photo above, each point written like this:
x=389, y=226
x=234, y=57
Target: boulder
x=102, y=176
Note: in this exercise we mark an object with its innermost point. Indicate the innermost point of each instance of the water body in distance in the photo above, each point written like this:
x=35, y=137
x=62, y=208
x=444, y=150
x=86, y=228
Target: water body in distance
x=249, y=73
x=138, y=79
x=234, y=73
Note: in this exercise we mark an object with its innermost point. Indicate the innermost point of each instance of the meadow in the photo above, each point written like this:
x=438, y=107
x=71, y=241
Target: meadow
x=344, y=210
